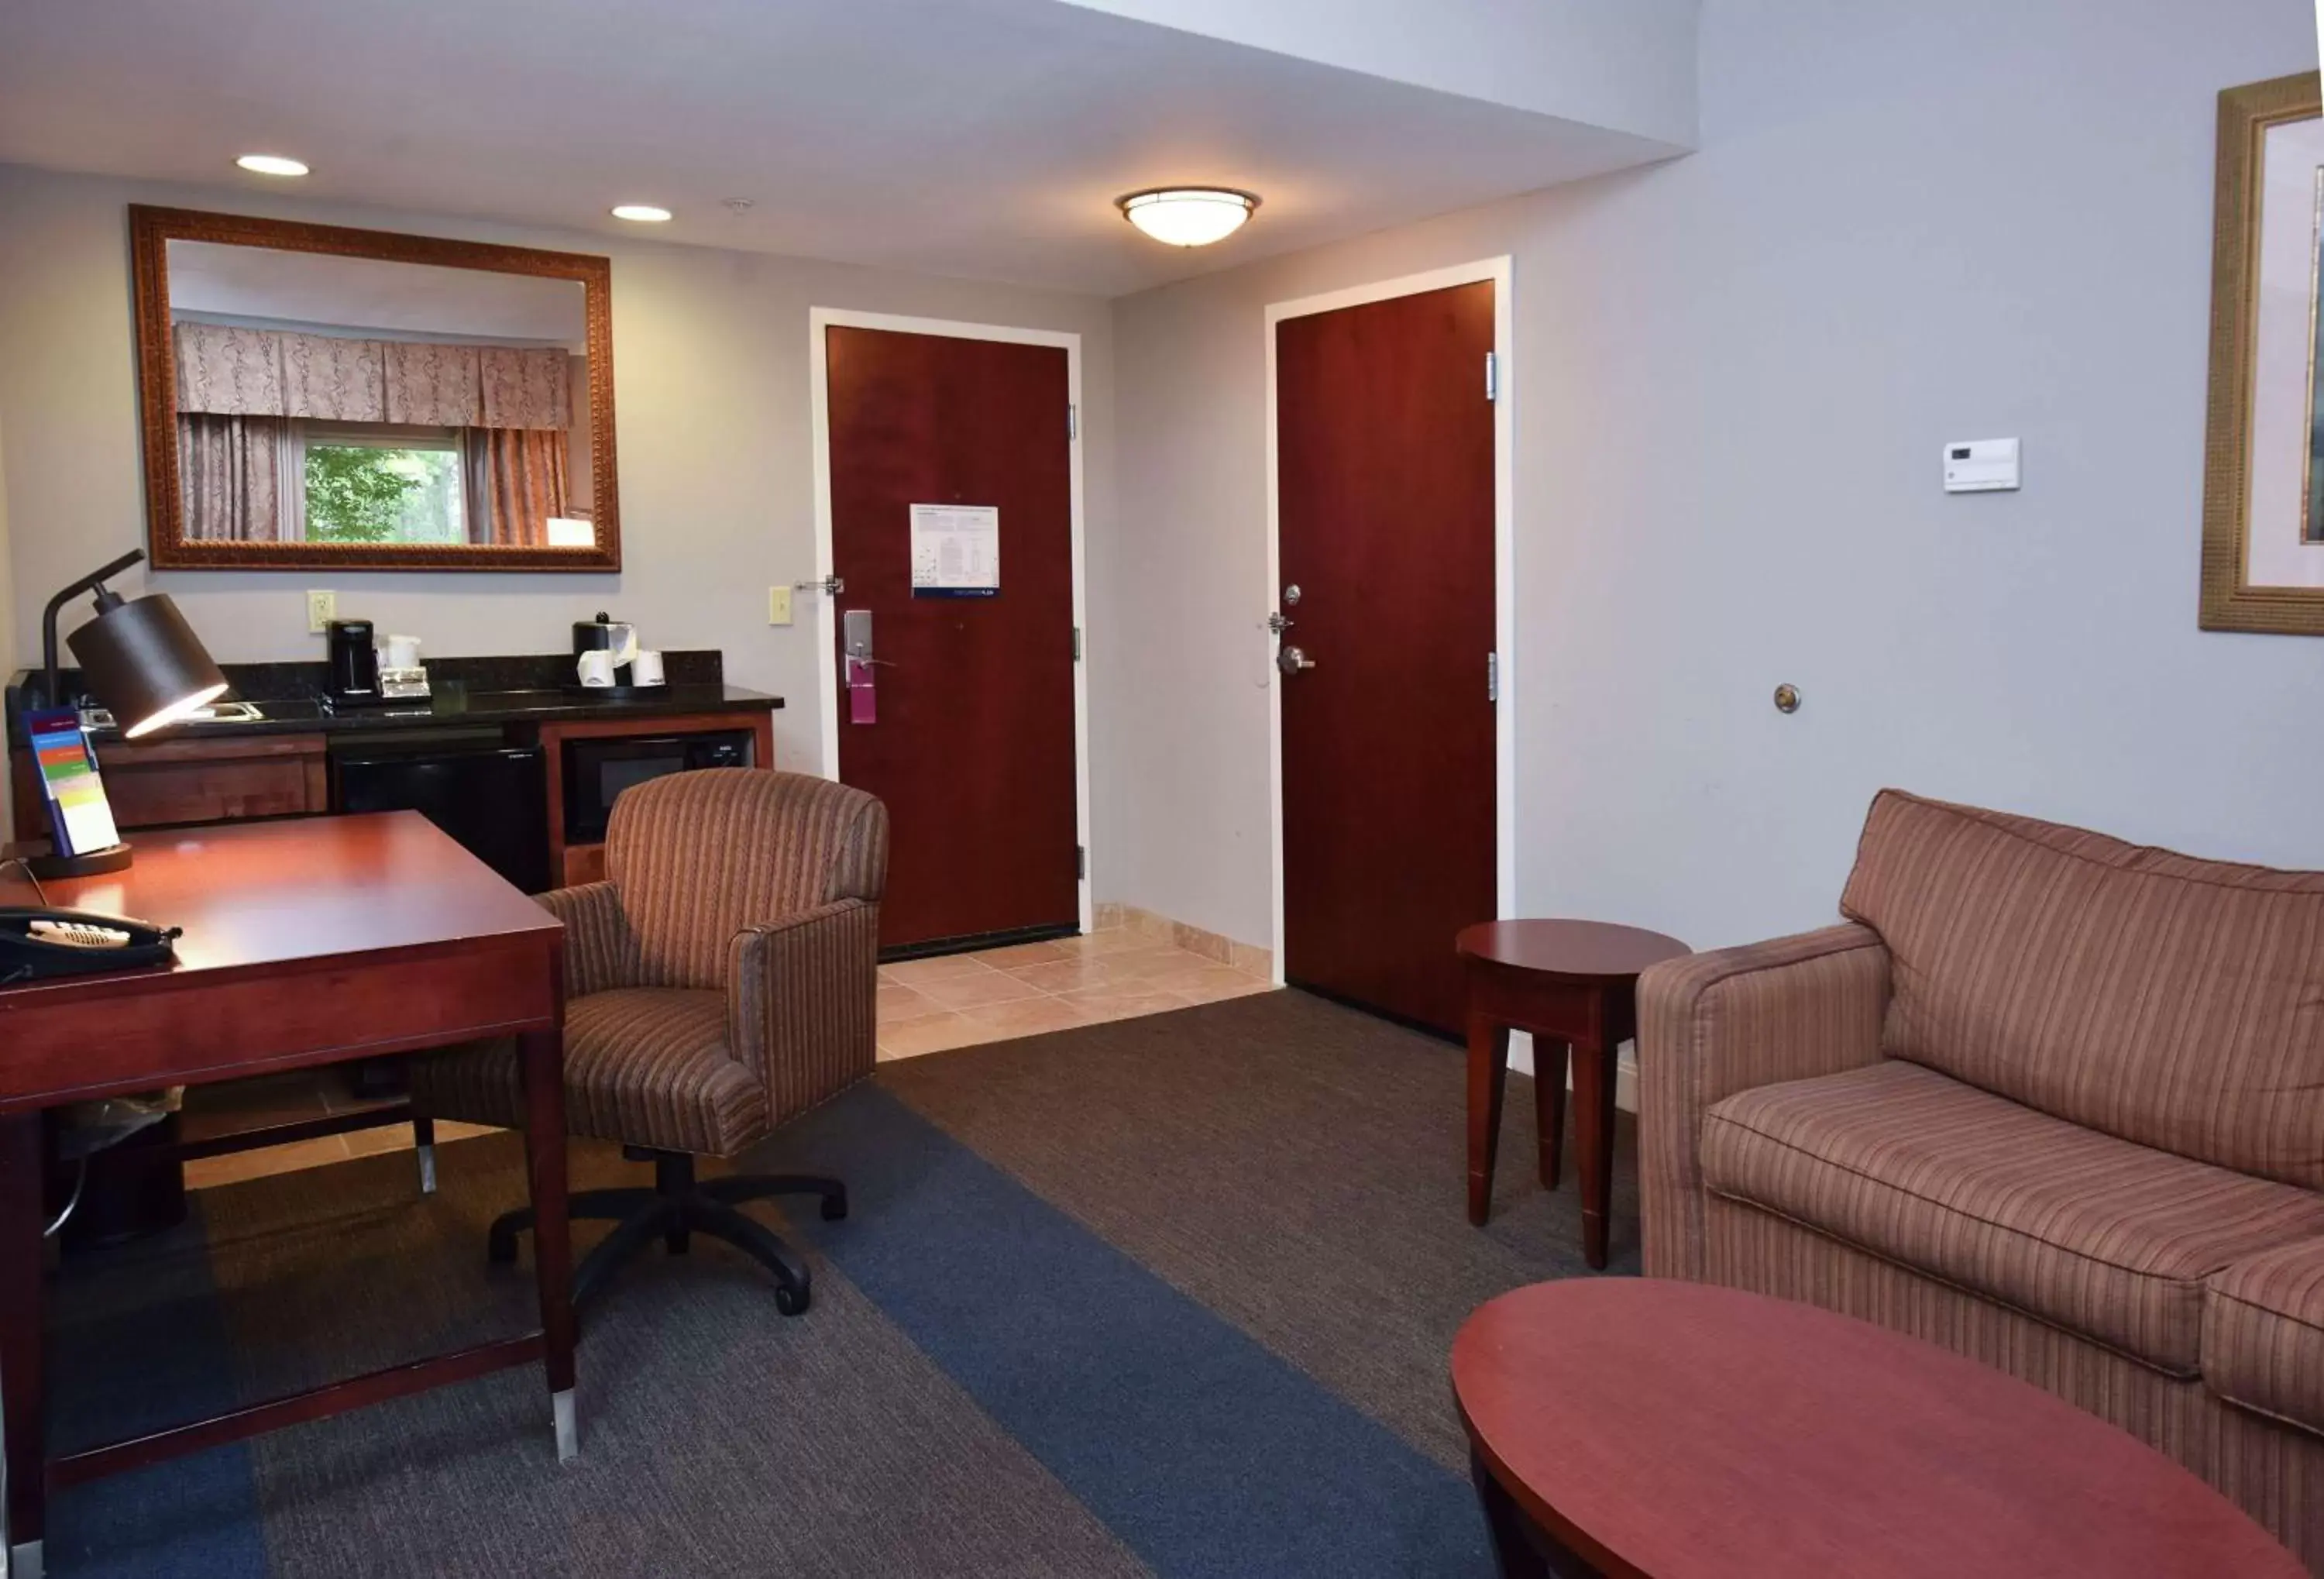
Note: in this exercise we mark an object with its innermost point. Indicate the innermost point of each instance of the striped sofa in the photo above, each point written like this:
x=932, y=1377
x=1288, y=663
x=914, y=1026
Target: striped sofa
x=2049, y=1099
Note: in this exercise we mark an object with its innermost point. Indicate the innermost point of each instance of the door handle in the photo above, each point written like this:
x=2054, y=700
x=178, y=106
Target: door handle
x=1291, y=660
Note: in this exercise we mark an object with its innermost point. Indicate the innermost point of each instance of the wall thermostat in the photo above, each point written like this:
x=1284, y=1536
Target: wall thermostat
x=1981, y=465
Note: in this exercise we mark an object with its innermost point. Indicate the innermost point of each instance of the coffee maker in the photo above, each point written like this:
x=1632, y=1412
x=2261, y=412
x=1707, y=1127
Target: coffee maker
x=352, y=679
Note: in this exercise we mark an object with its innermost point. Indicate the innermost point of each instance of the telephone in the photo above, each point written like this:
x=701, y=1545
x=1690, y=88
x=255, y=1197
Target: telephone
x=36, y=942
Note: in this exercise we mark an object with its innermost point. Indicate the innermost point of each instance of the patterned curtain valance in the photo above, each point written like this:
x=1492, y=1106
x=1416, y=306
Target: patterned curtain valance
x=230, y=370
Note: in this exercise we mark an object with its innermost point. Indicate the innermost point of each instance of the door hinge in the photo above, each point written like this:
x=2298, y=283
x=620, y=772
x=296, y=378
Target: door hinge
x=1077, y=644
x=1492, y=677
x=1492, y=376
x=1072, y=423
x=1081, y=860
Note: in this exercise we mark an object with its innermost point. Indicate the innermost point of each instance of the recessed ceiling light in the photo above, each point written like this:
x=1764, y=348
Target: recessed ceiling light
x=271, y=164
x=643, y=212
x=1188, y=215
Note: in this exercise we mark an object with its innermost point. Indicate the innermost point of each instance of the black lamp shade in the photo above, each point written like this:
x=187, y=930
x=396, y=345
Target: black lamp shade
x=145, y=664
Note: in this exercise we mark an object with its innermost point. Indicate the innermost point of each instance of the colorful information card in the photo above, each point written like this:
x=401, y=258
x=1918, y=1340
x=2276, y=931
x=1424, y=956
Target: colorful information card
x=79, y=817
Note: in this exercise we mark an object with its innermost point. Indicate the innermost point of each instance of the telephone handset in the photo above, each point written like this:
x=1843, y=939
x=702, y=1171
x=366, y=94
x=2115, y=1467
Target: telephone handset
x=37, y=941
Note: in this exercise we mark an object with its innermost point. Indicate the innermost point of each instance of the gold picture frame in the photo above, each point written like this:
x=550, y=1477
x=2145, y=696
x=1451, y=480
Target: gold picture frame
x=2237, y=595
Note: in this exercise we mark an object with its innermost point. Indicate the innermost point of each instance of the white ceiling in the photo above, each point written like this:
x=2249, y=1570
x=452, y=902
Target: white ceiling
x=976, y=138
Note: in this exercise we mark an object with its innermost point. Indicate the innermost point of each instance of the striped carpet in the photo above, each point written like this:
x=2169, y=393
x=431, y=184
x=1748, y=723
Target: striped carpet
x=1168, y=1296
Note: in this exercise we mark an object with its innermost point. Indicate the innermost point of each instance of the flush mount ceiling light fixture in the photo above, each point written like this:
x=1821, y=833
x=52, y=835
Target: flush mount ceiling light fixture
x=271, y=164
x=1187, y=216
x=643, y=212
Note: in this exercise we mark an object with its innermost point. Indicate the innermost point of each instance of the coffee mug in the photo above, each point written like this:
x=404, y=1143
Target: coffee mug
x=645, y=669
x=596, y=667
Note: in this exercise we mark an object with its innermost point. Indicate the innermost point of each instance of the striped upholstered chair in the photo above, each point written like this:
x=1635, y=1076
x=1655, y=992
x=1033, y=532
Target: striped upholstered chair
x=720, y=981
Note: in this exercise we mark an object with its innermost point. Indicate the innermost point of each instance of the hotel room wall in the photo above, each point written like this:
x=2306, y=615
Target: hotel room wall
x=710, y=368
x=1734, y=373
x=7, y=609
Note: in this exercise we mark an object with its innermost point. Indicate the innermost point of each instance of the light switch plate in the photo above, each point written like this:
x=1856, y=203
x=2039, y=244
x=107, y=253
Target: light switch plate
x=322, y=608
x=779, y=606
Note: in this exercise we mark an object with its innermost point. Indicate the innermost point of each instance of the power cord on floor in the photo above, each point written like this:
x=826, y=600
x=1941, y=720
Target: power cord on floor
x=81, y=1182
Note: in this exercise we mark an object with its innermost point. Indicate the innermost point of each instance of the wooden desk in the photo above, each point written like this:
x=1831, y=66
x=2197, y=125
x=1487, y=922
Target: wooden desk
x=306, y=942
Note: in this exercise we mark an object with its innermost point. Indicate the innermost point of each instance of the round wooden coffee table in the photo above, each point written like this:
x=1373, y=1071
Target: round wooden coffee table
x=1631, y=1426
x=1569, y=985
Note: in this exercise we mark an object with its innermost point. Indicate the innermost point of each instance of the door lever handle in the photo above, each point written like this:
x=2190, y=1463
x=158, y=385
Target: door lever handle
x=1291, y=660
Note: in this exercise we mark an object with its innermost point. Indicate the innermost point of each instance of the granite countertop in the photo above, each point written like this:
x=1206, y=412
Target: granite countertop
x=466, y=691
x=458, y=705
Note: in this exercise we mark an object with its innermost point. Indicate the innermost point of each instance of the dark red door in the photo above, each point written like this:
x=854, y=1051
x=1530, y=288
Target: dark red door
x=973, y=748
x=1384, y=437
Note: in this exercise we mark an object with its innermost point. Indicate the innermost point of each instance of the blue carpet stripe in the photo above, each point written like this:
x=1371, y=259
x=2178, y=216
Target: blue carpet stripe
x=145, y=1365
x=1203, y=1452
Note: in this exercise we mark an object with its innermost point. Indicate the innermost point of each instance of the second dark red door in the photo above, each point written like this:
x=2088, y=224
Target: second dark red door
x=1385, y=506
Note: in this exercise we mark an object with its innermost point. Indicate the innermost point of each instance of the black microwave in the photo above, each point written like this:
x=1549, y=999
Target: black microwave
x=597, y=770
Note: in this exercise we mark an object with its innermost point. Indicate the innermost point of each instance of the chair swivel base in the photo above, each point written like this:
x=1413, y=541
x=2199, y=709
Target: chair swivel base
x=677, y=1207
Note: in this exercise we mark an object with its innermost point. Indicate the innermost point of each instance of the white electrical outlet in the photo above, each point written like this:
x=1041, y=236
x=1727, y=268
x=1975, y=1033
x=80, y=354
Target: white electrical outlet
x=779, y=606
x=322, y=608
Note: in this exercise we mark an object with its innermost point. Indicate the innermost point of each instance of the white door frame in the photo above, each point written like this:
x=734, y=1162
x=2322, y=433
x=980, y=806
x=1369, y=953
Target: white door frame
x=827, y=661
x=1505, y=743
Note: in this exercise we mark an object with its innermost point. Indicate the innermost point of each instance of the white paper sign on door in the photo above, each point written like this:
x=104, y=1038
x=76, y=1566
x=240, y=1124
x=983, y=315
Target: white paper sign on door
x=956, y=550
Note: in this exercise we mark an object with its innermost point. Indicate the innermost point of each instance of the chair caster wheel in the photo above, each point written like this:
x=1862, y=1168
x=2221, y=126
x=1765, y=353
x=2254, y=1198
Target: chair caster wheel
x=834, y=1208
x=791, y=1301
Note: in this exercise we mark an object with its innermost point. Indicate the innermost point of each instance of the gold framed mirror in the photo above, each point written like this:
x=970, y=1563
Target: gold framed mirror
x=2264, y=473
x=316, y=397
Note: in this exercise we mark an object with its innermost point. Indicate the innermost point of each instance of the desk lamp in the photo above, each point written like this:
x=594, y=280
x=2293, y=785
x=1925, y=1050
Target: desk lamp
x=141, y=661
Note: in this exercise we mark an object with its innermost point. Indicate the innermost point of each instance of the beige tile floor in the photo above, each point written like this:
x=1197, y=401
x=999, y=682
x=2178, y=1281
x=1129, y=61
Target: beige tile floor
x=925, y=1006
x=956, y=1001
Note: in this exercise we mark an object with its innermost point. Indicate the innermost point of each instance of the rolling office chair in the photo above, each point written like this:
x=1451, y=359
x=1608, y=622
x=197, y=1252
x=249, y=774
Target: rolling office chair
x=720, y=981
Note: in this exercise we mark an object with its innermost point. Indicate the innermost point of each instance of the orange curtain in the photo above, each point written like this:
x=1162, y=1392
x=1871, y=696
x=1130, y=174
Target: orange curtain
x=516, y=482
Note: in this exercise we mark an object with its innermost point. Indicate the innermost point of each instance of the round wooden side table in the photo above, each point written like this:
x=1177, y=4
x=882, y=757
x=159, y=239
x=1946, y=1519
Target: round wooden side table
x=1638, y=1428
x=1571, y=985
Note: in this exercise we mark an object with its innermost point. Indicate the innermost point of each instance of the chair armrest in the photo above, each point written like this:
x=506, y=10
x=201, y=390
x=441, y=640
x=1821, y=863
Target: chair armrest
x=1713, y=1024
x=802, y=1003
x=601, y=952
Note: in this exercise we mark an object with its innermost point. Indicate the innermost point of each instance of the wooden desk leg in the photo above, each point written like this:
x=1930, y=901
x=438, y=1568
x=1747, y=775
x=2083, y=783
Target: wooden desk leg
x=1549, y=1104
x=542, y=1053
x=1488, y=1077
x=1593, y=1143
x=21, y=1379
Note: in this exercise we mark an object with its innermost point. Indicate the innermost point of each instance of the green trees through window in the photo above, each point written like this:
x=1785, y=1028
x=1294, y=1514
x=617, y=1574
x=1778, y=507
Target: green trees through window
x=369, y=494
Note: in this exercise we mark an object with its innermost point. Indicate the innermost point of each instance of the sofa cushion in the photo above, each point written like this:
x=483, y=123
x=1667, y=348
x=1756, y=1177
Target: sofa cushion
x=2104, y=1238
x=2169, y=1000
x=2263, y=1333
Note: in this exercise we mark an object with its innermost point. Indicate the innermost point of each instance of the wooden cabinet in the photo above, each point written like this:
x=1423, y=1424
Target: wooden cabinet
x=574, y=865
x=194, y=778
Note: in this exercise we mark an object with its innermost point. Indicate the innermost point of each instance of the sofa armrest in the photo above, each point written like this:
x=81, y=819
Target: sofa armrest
x=802, y=1003
x=601, y=952
x=1713, y=1024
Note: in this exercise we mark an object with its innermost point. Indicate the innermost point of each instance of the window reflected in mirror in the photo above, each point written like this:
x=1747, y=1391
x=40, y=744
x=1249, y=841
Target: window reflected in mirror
x=332, y=396
x=340, y=399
